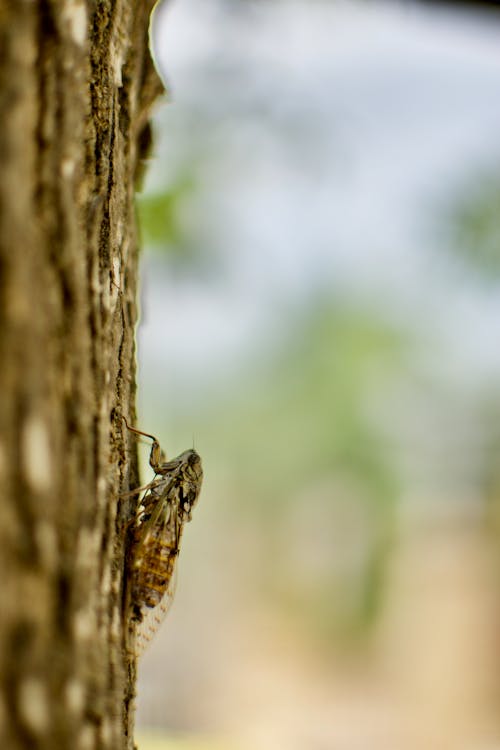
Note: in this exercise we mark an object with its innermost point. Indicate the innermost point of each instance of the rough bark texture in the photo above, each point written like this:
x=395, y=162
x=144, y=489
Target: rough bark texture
x=76, y=85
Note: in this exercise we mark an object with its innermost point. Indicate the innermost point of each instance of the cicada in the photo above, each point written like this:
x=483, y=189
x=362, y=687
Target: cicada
x=164, y=509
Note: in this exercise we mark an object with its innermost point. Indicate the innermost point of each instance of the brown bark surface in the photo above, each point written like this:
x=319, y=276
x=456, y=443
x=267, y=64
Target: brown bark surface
x=76, y=85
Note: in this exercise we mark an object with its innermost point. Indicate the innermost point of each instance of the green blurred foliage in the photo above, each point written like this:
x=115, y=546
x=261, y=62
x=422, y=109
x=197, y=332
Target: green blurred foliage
x=474, y=223
x=307, y=414
x=315, y=475
x=162, y=220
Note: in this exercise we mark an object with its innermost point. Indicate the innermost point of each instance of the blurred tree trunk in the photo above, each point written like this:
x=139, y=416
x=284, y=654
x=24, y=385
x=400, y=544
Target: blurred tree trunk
x=76, y=85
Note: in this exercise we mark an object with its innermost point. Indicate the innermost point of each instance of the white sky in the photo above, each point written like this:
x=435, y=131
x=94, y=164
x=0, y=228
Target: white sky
x=332, y=133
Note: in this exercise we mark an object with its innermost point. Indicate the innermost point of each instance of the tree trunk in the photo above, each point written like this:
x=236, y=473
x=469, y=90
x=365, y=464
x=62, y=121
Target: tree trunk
x=76, y=85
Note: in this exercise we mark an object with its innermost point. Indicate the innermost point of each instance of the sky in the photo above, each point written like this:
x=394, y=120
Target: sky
x=332, y=138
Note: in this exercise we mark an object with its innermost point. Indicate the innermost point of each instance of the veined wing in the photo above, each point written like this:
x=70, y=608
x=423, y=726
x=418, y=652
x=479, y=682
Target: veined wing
x=153, y=618
x=153, y=575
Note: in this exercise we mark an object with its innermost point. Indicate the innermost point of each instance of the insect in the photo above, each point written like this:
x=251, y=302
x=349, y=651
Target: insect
x=156, y=533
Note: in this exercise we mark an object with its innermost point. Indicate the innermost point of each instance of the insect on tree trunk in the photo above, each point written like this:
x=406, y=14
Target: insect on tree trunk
x=76, y=85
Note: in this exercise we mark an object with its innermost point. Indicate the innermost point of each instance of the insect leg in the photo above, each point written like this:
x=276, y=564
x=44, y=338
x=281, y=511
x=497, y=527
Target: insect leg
x=150, y=486
x=138, y=432
x=156, y=456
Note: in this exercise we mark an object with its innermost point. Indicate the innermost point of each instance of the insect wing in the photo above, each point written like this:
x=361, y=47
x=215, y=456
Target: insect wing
x=161, y=516
x=153, y=618
x=155, y=564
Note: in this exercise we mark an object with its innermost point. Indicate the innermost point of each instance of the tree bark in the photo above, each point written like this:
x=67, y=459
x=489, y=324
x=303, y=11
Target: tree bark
x=76, y=85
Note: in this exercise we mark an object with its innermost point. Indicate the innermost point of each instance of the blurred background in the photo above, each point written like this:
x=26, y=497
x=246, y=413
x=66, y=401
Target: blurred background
x=320, y=317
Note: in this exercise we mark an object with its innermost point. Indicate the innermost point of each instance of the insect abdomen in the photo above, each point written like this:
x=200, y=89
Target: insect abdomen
x=152, y=574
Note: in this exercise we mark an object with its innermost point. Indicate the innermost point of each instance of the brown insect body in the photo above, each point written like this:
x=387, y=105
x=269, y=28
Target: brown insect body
x=157, y=535
x=163, y=511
